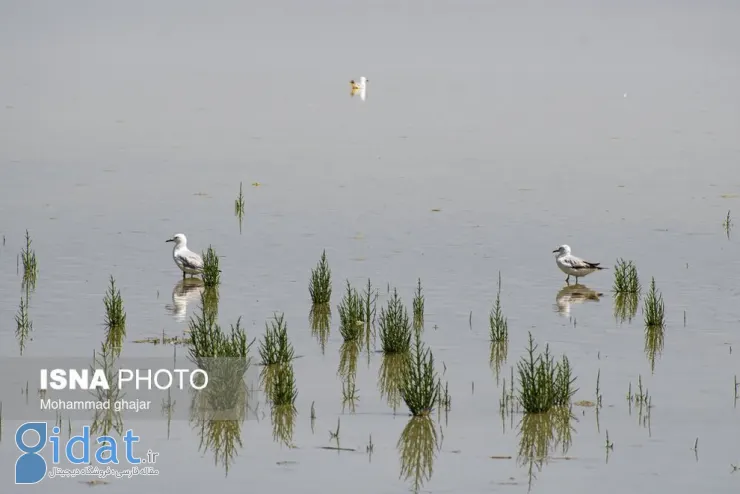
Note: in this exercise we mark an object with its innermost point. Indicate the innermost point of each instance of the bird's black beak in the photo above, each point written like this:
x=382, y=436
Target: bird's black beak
x=556, y=250
x=170, y=240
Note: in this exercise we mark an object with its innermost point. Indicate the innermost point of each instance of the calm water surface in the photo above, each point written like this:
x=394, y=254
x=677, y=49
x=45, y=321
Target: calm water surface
x=492, y=133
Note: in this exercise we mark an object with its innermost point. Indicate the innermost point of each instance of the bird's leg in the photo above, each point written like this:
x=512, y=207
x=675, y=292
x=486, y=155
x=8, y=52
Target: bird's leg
x=183, y=275
x=567, y=280
x=576, y=280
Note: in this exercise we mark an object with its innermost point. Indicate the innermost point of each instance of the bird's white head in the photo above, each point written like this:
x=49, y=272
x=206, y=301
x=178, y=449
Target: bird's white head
x=179, y=239
x=563, y=250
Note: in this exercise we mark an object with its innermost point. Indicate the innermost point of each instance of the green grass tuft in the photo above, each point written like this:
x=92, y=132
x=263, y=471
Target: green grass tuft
x=275, y=348
x=543, y=383
x=395, y=328
x=23, y=323
x=351, y=315
x=319, y=286
x=625, y=278
x=499, y=325
x=115, y=317
x=239, y=203
x=419, y=388
x=654, y=309
x=418, y=307
x=30, y=266
x=284, y=390
x=211, y=271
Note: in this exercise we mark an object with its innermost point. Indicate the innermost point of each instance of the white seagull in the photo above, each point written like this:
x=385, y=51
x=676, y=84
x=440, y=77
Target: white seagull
x=188, y=261
x=572, y=265
x=360, y=87
x=185, y=290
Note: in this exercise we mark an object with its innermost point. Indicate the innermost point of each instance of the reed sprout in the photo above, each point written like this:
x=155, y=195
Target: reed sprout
x=23, y=323
x=544, y=384
x=654, y=309
x=211, y=271
x=275, y=348
x=239, y=207
x=626, y=279
x=419, y=388
x=115, y=317
x=370, y=299
x=28, y=258
x=727, y=224
x=418, y=307
x=395, y=328
x=498, y=323
x=351, y=315
x=239, y=203
x=319, y=286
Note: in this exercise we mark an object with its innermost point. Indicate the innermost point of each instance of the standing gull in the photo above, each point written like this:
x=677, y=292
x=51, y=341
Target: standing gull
x=188, y=261
x=572, y=265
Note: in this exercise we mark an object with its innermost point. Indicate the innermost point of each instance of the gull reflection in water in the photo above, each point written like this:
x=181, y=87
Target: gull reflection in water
x=574, y=294
x=187, y=289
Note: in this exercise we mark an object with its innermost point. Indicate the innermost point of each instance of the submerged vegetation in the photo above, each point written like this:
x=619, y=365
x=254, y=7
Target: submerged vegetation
x=239, y=202
x=211, y=271
x=395, y=327
x=626, y=280
x=498, y=324
x=351, y=315
x=275, y=348
x=626, y=290
x=23, y=324
x=419, y=386
x=115, y=318
x=544, y=384
x=727, y=224
x=319, y=286
x=418, y=307
x=30, y=266
x=654, y=309
x=239, y=207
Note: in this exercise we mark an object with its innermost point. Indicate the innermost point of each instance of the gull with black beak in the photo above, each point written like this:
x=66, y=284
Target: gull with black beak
x=188, y=261
x=572, y=265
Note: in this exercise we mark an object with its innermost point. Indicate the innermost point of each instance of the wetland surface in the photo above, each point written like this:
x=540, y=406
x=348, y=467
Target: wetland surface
x=491, y=134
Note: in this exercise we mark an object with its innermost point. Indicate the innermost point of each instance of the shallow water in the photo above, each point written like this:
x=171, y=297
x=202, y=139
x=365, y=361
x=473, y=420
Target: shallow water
x=121, y=125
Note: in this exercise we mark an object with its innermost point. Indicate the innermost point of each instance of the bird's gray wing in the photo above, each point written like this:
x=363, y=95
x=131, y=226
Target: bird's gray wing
x=576, y=263
x=191, y=260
